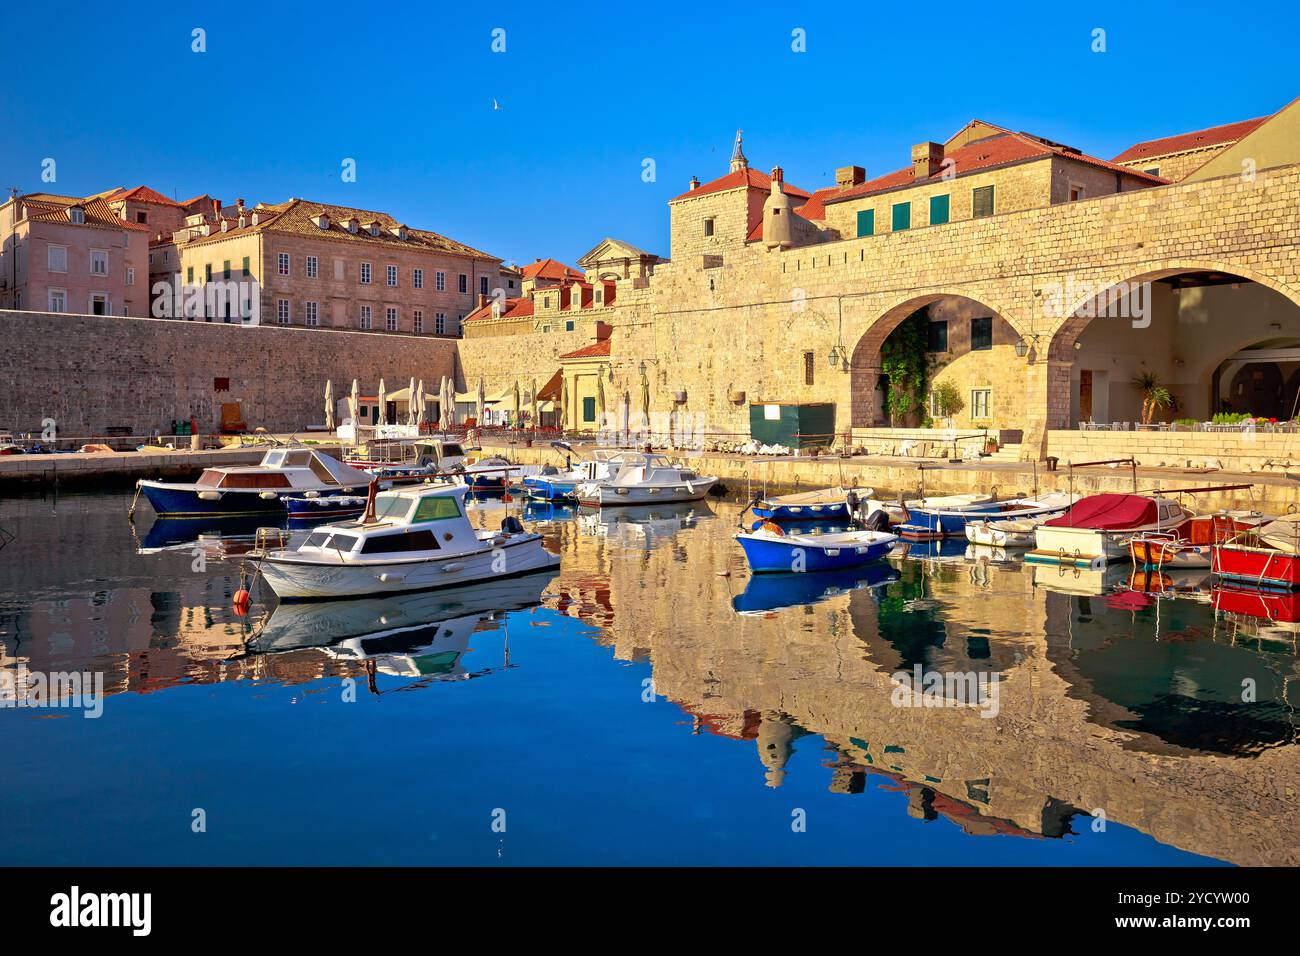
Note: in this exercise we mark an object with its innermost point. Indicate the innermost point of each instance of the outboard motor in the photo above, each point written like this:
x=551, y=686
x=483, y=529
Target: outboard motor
x=512, y=525
x=877, y=521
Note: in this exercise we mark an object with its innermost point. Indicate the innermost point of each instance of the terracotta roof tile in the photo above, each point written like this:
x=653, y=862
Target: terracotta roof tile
x=44, y=207
x=747, y=177
x=550, y=269
x=143, y=194
x=1185, y=142
x=595, y=350
x=520, y=308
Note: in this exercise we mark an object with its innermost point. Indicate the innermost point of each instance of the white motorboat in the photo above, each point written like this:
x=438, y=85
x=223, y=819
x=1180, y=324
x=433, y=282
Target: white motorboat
x=1018, y=533
x=413, y=539
x=897, y=513
x=643, y=479
x=1097, y=529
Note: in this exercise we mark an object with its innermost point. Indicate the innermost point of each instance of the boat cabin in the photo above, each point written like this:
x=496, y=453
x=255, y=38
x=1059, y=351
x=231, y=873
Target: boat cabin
x=636, y=468
x=409, y=522
x=285, y=468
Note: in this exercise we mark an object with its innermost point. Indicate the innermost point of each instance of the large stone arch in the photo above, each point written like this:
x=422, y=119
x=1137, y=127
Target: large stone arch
x=1084, y=308
x=865, y=362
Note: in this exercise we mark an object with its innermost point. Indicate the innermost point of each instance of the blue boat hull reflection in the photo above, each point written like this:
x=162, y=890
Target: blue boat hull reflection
x=771, y=592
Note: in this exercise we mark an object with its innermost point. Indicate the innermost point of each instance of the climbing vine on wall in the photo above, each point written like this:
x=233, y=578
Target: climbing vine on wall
x=903, y=359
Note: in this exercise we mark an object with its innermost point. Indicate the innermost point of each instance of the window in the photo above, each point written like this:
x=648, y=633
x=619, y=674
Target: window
x=866, y=222
x=417, y=318
x=482, y=285
x=568, y=325
x=390, y=320
x=207, y=272
x=98, y=262
x=981, y=334
x=938, y=210
x=708, y=227
x=981, y=202
x=417, y=278
x=310, y=314
x=248, y=267
x=340, y=270
x=282, y=264
x=423, y=540
x=142, y=217
x=808, y=358
x=901, y=216
x=365, y=317
x=460, y=324
x=440, y=281
x=222, y=385
x=436, y=508
x=980, y=399
x=57, y=258
x=1153, y=171
x=282, y=311
x=365, y=273
x=58, y=300
x=440, y=323
x=130, y=275
x=77, y=216
x=937, y=337
x=1075, y=192
x=189, y=275
x=99, y=304
x=313, y=267
x=462, y=284
x=225, y=269
x=588, y=409
x=392, y=275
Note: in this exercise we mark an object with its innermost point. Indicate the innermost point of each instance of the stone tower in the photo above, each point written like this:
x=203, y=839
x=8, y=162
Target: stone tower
x=778, y=208
x=738, y=160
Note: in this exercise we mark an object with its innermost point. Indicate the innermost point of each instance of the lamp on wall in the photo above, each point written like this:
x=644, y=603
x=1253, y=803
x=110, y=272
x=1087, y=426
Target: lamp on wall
x=1023, y=347
x=838, y=357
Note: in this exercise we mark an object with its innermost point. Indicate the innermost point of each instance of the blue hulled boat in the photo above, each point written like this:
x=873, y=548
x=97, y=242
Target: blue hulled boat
x=926, y=520
x=242, y=490
x=825, y=505
x=769, y=548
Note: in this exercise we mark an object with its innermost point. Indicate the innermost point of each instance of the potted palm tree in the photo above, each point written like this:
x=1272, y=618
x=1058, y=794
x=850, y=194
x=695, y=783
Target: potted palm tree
x=1154, y=395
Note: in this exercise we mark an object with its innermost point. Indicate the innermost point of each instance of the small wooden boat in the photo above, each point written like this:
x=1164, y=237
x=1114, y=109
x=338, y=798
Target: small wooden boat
x=769, y=548
x=826, y=503
x=898, y=512
x=1096, y=530
x=1009, y=533
x=1268, y=556
x=643, y=479
x=1189, y=544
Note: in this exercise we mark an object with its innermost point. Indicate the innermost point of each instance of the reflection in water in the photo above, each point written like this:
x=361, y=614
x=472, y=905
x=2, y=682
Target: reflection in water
x=1119, y=691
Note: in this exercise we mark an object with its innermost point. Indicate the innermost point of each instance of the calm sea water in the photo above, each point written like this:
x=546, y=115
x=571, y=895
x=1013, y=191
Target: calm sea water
x=648, y=704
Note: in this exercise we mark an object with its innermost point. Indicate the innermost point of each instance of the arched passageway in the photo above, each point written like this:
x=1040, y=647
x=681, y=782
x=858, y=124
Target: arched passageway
x=1214, y=341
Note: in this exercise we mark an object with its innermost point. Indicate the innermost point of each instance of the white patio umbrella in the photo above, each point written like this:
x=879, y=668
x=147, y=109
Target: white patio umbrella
x=518, y=407
x=410, y=402
x=600, y=399
x=383, y=404
x=419, y=404
x=564, y=405
x=446, y=405
x=482, y=401
x=354, y=404
x=625, y=412
x=533, y=393
x=329, y=405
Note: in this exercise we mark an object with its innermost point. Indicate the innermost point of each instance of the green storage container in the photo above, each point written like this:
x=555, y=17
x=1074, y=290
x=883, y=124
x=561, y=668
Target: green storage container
x=797, y=426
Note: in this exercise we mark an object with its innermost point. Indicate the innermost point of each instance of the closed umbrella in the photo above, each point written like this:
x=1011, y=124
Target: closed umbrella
x=448, y=403
x=383, y=404
x=410, y=402
x=419, y=404
x=482, y=401
x=354, y=406
x=329, y=405
x=625, y=412
x=564, y=405
x=645, y=397
x=518, y=408
x=533, y=393
x=600, y=399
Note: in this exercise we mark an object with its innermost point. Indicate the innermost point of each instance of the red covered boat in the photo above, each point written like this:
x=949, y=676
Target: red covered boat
x=1268, y=556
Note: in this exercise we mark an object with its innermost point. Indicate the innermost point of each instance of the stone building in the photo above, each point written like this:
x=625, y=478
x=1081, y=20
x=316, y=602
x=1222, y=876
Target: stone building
x=320, y=265
x=68, y=254
x=1042, y=280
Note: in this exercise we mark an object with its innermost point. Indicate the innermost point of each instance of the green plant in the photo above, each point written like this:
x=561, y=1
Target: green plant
x=1230, y=418
x=946, y=400
x=903, y=361
x=1154, y=395
x=1185, y=421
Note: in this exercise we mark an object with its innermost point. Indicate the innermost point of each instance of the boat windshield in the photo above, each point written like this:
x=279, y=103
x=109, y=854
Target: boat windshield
x=437, y=508
x=273, y=459
x=392, y=506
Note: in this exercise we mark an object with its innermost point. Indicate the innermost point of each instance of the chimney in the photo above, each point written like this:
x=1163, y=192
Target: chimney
x=694, y=184
x=778, y=174
x=482, y=300
x=927, y=158
x=216, y=208
x=239, y=204
x=846, y=176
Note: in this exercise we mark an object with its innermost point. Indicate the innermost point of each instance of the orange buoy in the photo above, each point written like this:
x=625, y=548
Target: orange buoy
x=241, y=598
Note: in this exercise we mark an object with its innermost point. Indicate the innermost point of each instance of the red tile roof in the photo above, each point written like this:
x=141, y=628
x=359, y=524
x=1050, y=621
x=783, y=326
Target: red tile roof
x=44, y=207
x=550, y=269
x=999, y=150
x=1185, y=142
x=520, y=308
x=747, y=177
x=595, y=350
x=143, y=194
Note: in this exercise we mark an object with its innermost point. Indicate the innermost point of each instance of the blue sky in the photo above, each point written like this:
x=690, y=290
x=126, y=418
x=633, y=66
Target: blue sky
x=284, y=94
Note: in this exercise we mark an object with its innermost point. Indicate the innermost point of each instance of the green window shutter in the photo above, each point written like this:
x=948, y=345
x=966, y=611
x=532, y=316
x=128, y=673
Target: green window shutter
x=902, y=216
x=588, y=409
x=866, y=222
x=938, y=210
